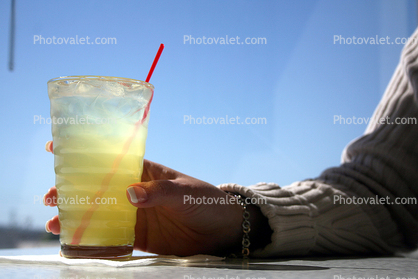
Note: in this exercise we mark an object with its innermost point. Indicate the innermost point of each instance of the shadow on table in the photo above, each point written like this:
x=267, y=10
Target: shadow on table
x=251, y=265
x=298, y=263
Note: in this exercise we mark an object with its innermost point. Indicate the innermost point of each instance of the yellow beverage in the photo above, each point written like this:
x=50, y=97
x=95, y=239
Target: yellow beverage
x=99, y=128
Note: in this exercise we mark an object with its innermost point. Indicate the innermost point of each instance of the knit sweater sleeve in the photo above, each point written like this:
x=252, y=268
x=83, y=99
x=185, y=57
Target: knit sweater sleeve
x=369, y=203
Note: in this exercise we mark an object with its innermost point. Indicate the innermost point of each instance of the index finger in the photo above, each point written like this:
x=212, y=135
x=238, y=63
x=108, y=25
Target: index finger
x=49, y=147
x=153, y=171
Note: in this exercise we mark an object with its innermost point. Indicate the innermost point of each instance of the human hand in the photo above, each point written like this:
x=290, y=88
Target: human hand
x=166, y=224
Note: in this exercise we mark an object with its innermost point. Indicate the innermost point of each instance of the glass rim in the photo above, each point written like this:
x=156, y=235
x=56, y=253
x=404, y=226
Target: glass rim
x=104, y=78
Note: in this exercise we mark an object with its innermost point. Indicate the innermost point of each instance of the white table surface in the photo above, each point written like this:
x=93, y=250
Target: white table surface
x=334, y=268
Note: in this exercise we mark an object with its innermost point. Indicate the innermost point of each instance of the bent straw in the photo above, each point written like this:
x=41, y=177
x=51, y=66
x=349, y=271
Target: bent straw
x=151, y=70
x=157, y=57
x=85, y=220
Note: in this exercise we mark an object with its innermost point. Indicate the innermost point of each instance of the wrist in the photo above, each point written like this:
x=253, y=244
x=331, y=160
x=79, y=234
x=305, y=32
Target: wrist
x=260, y=234
x=255, y=229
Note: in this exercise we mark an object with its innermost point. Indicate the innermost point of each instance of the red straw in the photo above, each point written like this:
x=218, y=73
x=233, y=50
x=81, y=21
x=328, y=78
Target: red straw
x=160, y=50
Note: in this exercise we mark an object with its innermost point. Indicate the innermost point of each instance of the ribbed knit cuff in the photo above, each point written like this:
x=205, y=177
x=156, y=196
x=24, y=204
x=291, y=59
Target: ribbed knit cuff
x=306, y=221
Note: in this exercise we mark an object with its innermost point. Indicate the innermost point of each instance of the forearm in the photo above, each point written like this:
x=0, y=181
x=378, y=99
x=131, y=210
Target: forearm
x=305, y=221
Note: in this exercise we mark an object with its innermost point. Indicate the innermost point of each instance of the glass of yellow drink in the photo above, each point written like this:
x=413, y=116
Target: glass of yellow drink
x=99, y=129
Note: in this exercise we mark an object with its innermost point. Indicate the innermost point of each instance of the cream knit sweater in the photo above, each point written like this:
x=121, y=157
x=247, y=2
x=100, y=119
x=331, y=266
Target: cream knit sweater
x=310, y=217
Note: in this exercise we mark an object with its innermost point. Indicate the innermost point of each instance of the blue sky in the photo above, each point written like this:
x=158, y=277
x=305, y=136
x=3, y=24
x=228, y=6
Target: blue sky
x=297, y=81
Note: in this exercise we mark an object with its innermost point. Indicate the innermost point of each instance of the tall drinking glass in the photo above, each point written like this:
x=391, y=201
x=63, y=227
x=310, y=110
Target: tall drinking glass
x=99, y=129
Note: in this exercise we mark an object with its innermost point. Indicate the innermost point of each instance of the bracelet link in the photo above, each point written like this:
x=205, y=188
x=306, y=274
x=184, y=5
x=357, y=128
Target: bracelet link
x=246, y=226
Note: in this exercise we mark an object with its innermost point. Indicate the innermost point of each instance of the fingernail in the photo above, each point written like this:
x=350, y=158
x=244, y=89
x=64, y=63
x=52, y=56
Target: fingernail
x=137, y=194
x=48, y=146
x=47, y=227
x=44, y=199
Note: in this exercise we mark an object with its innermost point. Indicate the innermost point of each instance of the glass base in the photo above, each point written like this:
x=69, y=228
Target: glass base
x=96, y=252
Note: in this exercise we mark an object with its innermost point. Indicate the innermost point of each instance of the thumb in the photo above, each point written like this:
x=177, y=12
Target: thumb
x=155, y=193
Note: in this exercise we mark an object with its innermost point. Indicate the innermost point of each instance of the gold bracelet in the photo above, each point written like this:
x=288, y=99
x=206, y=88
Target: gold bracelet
x=246, y=227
